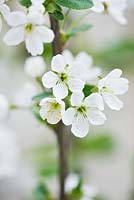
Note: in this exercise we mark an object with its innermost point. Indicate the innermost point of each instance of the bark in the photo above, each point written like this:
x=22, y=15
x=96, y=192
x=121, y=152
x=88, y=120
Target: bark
x=62, y=136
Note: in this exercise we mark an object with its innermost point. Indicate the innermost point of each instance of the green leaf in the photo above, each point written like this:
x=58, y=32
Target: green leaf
x=36, y=113
x=89, y=89
x=25, y=3
x=76, y=30
x=58, y=15
x=76, y=4
x=41, y=192
x=41, y=96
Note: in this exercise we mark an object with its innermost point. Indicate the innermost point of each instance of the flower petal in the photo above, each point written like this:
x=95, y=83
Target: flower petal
x=34, y=17
x=119, y=86
x=68, y=56
x=49, y=79
x=75, y=85
x=80, y=126
x=60, y=91
x=14, y=36
x=54, y=117
x=94, y=100
x=112, y=101
x=98, y=6
x=45, y=34
x=96, y=117
x=77, y=98
x=68, y=116
x=5, y=11
x=58, y=63
x=33, y=44
x=83, y=59
x=115, y=73
x=17, y=18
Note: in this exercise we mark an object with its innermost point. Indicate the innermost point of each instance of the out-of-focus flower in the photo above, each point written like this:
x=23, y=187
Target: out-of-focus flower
x=52, y=109
x=23, y=97
x=37, y=6
x=71, y=182
x=35, y=66
x=4, y=106
x=113, y=85
x=61, y=78
x=84, y=112
x=4, y=11
x=114, y=7
x=82, y=65
x=29, y=28
x=89, y=192
x=8, y=152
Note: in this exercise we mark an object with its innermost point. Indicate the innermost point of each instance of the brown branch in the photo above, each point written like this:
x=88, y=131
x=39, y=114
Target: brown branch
x=62, y=136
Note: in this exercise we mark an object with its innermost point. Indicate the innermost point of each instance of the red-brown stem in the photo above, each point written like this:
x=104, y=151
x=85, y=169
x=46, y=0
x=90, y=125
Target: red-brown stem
x=62, y=136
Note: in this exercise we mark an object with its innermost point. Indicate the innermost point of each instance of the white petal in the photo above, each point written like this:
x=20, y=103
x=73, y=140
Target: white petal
x=58, y=63
x=112, y=101
x=68, y=56
x=92, y=73
x=54, y=117
x=5, y=11
x=17, y=18
x=37, y=1
x=45, y=34
x=119, y=17
x=96, y=117
x=115, y=73
x=98, y=6
x=60, y=91
x=68, y=116
x=94, y=100
x=14, y=36
x=49, y=79
x=119, y=86
x=44, y=111
x=34, y=17
x=77, y=98
x=83, y=59
x=76, y=85
x=33, y=44
x=80, y=126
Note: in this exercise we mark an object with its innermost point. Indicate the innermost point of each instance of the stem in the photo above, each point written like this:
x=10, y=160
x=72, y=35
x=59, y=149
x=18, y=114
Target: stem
x=62, y=136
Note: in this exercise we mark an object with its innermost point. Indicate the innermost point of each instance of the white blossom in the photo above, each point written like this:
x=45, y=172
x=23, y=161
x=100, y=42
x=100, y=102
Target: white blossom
x=114, y=7
x=23, y=97
x=71, y=182
x=4, y=106
x=83, y=113
x=29, y=28
x=8, y=152
x=61, y=78
x=37, y=6
x=52, y=109
x=35, y=66
x=82, y=65
x=89, y=192
x=4, y=11
x=111, y=86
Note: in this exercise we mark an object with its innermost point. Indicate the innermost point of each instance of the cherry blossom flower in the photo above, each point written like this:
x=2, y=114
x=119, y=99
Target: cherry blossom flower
x=52, y=109
x=83, y=113
x=8, y=152
x=82, y=65
x=23, y=97
x=111, y=86
x=37, y=6
x=4, y=11
x=29, y=28
x=4, y=106
x=35, y=66
x=71, y=182
x=61, y=78
x=114, y=7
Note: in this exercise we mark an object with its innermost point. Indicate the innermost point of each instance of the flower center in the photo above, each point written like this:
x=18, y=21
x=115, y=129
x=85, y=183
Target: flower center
x=63, y=77
x=82, y=109
x=107, y=90
x=55, y=106
x=28, y=28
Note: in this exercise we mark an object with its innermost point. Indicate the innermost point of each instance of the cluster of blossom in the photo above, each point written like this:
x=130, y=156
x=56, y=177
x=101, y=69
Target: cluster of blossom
x=69, y=104
x=30, y=26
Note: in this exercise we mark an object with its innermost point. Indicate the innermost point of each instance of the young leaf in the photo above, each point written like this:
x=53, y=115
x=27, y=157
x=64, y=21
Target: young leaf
x=76, y=4
x=76, y=30
x=41, y=96
x=25, y=3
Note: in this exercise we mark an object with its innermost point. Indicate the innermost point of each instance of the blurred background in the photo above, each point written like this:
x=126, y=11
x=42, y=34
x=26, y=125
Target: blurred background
x=105, y=158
